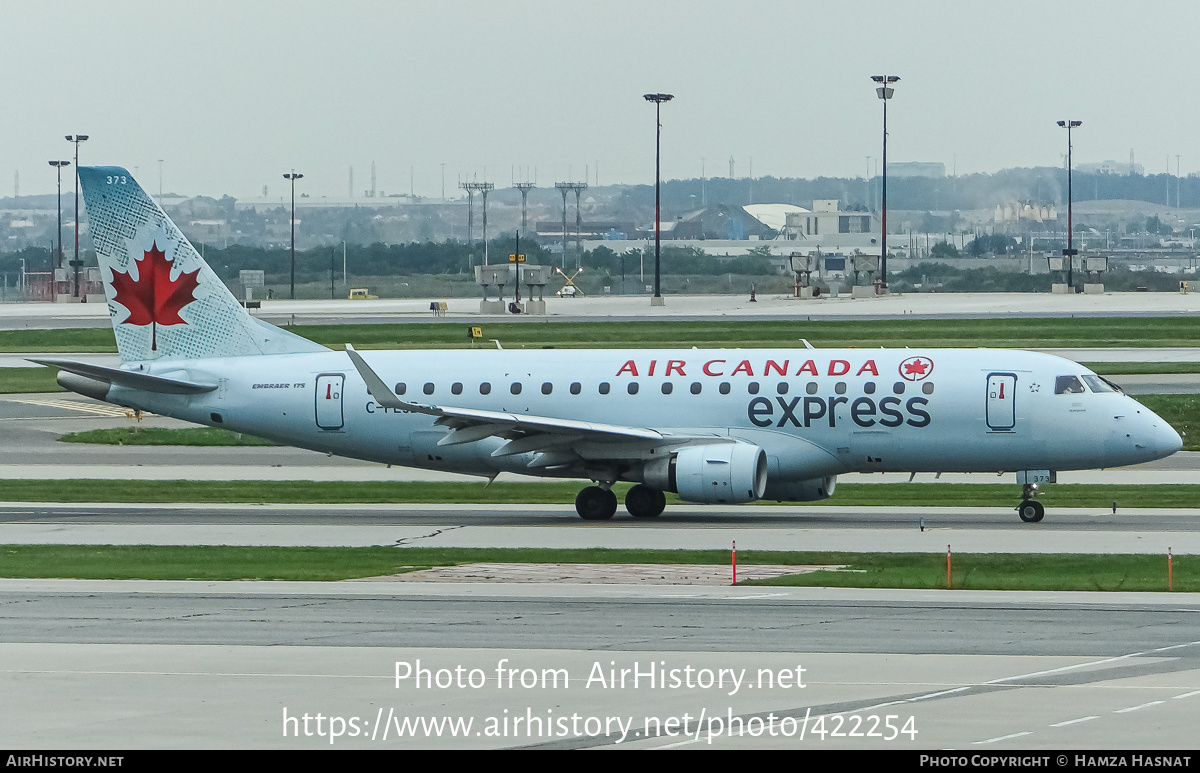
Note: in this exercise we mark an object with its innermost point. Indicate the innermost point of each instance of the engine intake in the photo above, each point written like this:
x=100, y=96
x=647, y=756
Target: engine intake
x=725, y=473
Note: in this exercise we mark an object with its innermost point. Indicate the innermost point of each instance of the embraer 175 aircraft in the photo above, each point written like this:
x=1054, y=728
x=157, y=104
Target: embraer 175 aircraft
x=714, y=426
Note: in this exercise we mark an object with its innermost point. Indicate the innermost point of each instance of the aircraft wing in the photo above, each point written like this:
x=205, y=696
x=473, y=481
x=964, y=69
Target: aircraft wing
x=555, y=440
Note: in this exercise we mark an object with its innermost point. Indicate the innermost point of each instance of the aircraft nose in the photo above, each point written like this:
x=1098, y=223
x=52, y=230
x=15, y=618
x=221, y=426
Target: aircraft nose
x=1161, y=439
x=1168, y=440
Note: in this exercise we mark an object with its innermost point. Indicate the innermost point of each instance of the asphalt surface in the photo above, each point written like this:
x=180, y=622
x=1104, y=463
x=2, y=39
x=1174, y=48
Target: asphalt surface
x=214, y=665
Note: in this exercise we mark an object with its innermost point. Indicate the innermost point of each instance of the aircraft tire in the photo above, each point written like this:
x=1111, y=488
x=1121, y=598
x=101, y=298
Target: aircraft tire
x=596, y=504
x=1031, y=511
x=644, y=502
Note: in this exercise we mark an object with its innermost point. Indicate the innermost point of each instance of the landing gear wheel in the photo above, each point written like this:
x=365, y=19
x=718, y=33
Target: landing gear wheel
x=644, y=502
x=596, y=504
x=1031, y=511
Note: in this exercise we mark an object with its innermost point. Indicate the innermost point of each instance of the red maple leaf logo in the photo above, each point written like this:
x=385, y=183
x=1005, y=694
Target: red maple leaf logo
x=916, y=368
x=154, y=299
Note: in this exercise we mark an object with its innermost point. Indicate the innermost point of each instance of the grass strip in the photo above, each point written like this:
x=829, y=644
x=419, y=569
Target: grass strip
x=862, y=570
x=160, y=436
x=1141, y=368
x=915, y=495
x=998, y=333
x=25, y=380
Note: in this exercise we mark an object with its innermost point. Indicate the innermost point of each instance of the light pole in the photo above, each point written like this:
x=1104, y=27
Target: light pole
x=884, y=91
x=1069, y=252
x=293, y=177
x=58, y=258
x=657, y=99
x=78, y=138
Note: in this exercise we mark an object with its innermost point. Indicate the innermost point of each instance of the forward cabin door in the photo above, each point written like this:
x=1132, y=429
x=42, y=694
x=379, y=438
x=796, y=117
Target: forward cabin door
x=1001, y=402
x=329, y=400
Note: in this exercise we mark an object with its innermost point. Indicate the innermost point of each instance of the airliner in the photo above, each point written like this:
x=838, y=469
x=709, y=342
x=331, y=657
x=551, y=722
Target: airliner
x=719, y=426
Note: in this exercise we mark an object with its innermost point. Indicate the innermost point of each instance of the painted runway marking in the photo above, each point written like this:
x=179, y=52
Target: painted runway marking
x=1135, y=708
x=1186, y=695
x=1074, y=721
x=101, y=410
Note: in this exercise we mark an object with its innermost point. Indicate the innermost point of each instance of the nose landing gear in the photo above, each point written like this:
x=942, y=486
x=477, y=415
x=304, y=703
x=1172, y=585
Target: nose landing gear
x=1030, y=510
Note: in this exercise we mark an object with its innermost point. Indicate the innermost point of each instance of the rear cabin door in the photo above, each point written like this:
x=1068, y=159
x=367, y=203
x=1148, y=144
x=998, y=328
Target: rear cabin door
x=329, y=400
x=1001, y=401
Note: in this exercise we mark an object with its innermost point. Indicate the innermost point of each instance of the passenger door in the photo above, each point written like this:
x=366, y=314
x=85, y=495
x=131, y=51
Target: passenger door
x=1001, y=411
x=329, y=400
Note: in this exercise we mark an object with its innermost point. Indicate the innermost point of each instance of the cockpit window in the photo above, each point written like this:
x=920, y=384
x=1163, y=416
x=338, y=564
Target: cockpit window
x=1097, y=384
x=1068, y=385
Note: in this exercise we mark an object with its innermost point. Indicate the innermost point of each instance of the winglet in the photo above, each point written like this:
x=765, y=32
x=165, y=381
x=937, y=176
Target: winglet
x=379, y=390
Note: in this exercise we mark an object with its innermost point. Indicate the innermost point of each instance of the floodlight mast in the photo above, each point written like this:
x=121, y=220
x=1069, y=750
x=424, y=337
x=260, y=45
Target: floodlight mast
x=293, y=177
x=884, y=92
x=75, y=264
x=57, y=260
x=1069, y=252
x=657, y=99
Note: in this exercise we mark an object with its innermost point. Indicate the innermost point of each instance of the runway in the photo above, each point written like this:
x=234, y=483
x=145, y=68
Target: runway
x=206, y=665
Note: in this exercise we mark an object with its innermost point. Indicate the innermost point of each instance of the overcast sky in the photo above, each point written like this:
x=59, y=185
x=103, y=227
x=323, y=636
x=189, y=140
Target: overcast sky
x=233, y=94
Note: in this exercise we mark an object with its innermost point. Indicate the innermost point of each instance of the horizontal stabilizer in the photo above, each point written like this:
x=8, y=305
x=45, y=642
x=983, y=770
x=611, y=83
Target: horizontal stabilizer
x=131, y=379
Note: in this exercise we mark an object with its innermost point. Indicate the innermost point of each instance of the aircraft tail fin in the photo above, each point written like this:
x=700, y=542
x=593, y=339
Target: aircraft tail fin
x=163, y=299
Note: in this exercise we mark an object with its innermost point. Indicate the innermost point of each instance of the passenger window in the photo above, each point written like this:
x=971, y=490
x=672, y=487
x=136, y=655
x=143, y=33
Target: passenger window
x=840, y=388
x=1068, y=385
x=811, y=388
x=869, y=388
x=724, y=388
x=428, y=388
x=898, y=387
x=485, y=388
x=696, y=387
x=752, y=387
x=515, y=388
x=927, y=387
x=401, y=388
x=547, y=388
x=632, y=388
x=604, y=387
x=456, y=388
x=575, y=387
x=782, y=388
x=667, y=387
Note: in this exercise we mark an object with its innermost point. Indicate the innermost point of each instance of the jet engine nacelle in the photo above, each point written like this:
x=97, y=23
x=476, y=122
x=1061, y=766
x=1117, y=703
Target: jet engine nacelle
x=728, y=473
x=811, y=490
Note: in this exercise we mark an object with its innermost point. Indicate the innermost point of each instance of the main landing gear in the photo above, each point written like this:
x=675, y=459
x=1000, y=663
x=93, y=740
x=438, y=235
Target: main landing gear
x=598, y=503
x=1030, y=510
